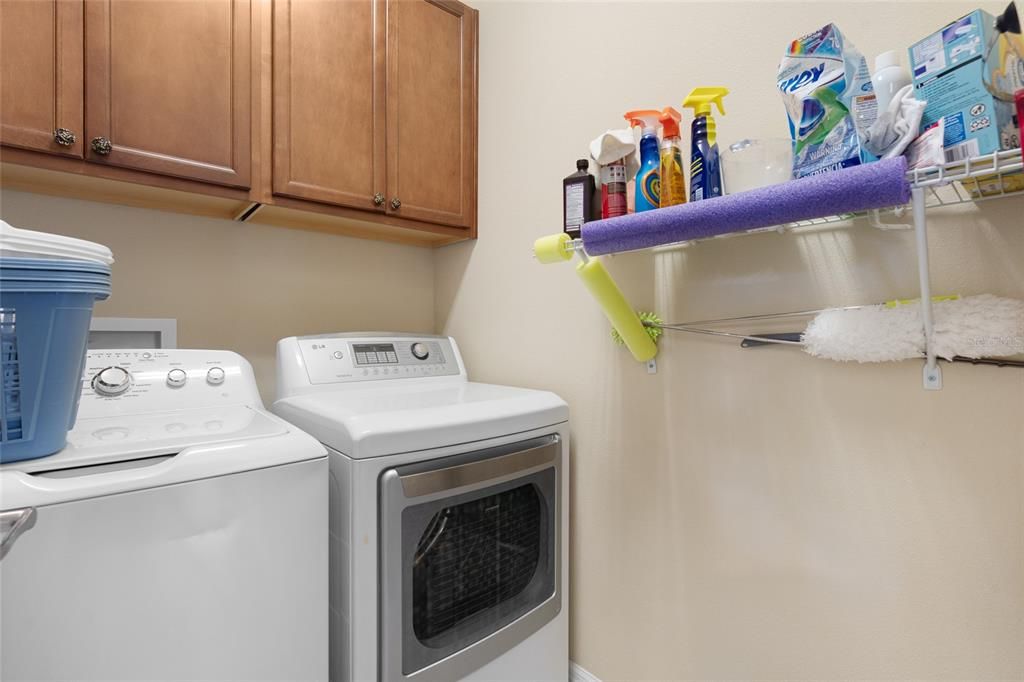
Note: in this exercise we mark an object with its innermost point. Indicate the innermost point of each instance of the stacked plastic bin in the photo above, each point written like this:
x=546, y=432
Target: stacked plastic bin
x=48, y=285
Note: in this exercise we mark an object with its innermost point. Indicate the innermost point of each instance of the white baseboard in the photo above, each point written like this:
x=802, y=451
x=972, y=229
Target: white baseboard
x=578, y=673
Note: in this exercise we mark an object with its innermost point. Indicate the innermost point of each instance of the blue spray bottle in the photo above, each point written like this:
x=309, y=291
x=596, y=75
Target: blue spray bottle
x=648, y=178
x=705, y=172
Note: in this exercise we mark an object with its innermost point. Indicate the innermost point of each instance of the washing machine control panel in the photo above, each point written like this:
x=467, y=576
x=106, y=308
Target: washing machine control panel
x=130, y=381
x=341, y=358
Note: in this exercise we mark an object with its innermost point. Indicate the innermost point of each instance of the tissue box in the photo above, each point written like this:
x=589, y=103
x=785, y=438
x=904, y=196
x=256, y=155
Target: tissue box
x=949, y=72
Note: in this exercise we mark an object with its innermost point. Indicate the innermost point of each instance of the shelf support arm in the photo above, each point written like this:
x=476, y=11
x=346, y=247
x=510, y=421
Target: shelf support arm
x=932, y=371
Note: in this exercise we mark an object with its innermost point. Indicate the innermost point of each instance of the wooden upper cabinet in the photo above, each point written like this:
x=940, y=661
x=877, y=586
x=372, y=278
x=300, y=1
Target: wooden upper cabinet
x=365, y=110
x=432, y=111
x=328, y=101
x=168, y=86
x=41, y=75
x=374, y=105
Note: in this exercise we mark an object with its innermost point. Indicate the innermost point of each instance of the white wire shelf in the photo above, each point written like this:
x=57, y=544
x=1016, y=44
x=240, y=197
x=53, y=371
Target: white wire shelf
x=969, y=180
x=1000, y=174
x=958, y=182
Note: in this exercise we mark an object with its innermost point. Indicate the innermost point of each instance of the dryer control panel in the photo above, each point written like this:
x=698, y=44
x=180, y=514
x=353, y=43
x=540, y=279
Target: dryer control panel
x=347, y=358
x=132, y=381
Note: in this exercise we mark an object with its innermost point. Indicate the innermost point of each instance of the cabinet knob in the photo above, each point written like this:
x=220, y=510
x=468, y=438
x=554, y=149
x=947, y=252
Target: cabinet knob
x=396, y=204
x=101, y=145
x=378, y=199
x=64, y=137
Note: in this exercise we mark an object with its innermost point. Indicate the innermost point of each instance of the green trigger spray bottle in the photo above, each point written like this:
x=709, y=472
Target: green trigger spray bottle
x=705, y=172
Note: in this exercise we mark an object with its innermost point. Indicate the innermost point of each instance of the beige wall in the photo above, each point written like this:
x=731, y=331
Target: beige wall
x=241, y=286
x=744, y=514
x=741, y=514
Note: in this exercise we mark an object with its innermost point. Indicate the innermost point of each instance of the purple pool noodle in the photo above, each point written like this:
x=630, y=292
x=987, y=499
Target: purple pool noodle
x=874, y=185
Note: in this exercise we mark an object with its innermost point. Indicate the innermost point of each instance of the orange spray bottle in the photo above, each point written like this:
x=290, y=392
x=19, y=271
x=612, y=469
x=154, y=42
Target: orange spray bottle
x=673, y=181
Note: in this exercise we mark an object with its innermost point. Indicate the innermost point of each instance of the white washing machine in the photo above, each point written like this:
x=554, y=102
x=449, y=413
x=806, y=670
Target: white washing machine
x=182, y=534
x=449, y=510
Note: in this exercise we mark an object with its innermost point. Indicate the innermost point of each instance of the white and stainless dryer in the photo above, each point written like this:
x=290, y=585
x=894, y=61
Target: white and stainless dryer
x=448, y=497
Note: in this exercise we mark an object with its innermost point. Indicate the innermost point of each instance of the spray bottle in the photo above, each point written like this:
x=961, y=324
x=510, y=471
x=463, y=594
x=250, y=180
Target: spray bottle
x=673, y=182
x=648, y=178
x=705, y=173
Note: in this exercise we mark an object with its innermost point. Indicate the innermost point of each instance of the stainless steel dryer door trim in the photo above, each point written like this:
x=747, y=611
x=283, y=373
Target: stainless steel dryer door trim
x=487, y=471
x=416, y=484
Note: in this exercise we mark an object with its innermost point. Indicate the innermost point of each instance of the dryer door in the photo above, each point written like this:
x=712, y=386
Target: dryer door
x=470, y=553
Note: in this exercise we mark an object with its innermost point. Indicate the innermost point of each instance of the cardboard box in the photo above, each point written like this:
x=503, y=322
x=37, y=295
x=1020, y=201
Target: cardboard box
x=950, y=73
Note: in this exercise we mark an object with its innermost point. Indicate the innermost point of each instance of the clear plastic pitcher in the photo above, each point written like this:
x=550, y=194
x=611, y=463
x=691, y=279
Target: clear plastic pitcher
x=749, y=164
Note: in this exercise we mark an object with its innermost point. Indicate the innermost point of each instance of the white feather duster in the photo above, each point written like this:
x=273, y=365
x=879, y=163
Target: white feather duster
x=973, y=326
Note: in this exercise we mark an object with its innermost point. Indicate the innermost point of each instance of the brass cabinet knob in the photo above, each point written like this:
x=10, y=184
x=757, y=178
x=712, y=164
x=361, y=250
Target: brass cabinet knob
x=378, y=199
x=101, y=145
x=64, y=137
x=396, y=204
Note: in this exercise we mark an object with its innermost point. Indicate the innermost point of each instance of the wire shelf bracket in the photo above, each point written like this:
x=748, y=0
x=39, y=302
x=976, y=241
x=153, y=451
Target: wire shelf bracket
x=932, y=371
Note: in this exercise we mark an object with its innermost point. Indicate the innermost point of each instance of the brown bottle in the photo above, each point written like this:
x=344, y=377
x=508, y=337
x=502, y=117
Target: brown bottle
x=577, y=199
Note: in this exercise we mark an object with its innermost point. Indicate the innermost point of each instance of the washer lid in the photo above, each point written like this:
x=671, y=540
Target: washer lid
x=108, y=440
x=111, y=455
x=373, y=422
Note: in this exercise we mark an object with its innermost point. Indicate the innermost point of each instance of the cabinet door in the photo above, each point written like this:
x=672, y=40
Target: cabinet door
x=328, y=92
x=41, y=75
x=168, y=85
x=432, y=111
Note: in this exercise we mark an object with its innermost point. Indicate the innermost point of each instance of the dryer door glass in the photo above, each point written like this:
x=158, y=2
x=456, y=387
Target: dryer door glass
x=470, y=549
x=475, y=561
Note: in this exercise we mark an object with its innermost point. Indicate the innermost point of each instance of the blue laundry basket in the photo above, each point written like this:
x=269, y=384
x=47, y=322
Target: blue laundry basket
x=45, y=311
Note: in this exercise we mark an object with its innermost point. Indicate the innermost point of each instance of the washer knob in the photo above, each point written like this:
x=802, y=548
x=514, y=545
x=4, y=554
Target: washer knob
x=215, y=376
x=176, y=378
x=420, y=351
x=112, y=381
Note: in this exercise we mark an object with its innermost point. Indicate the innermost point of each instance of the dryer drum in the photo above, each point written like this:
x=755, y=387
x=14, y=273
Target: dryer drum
x=475, y=556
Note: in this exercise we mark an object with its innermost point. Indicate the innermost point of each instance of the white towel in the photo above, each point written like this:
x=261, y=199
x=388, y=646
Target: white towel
x=613, y=145
x=897, y=126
